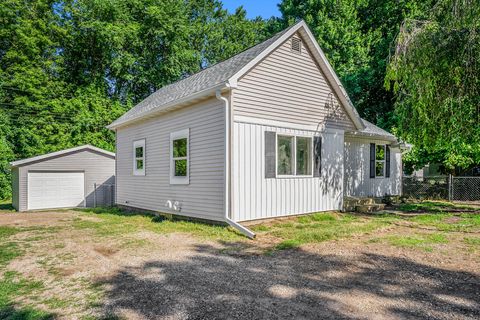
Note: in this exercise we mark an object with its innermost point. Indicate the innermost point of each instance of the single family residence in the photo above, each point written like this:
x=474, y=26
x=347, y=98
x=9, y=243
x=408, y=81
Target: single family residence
x=268, y=133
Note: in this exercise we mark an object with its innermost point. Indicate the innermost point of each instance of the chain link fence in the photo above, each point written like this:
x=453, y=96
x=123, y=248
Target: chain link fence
x=103, y=195
x=426, y=188
x=465, y=189
x=442, y=188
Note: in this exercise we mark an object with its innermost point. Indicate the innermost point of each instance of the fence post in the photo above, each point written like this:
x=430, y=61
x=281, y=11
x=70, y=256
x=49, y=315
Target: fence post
x=95, y=195
x=450, y=187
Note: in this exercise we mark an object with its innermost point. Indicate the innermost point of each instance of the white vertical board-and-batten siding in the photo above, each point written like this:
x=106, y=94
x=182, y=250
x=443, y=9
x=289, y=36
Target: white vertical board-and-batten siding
x=357, y=175
x=203, y=197
x=257, y=197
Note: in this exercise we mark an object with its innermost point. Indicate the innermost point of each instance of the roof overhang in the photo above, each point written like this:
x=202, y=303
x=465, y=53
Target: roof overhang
x=171, y=105
x=365, y=135
x=322, y=61
x=23, y=162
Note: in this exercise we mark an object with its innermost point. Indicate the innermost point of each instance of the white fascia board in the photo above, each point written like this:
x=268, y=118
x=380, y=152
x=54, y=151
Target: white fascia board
x=165, y=107
x=356, y=134
x=321, y=60
x=59, y=153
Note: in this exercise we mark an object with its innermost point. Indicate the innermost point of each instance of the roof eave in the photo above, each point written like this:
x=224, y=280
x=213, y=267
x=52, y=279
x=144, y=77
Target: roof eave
x=116, y=124
x=22, y=162
x=372, y=135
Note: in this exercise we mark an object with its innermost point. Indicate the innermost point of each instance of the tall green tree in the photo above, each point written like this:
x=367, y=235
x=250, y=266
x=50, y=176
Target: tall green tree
x=435, y=73
x=381, y=20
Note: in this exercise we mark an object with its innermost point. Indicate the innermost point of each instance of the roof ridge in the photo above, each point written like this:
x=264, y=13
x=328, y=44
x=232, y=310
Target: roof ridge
x=59, y=153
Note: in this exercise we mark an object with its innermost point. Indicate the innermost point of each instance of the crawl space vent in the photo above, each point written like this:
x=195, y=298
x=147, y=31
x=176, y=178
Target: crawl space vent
x=296, y=45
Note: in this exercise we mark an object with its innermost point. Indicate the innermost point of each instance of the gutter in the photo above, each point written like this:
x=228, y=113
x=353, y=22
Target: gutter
x=247, y=232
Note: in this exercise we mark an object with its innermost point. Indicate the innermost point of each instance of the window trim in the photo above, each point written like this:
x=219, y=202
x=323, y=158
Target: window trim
x=384, y=161
x=136, y=144
x=294, y=155
x=181, y=134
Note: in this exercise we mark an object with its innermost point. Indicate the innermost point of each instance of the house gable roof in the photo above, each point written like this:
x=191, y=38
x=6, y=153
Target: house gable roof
x=226, y=74
x=47, y=156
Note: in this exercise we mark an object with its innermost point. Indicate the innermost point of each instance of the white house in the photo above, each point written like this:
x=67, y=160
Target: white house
x=269, y=132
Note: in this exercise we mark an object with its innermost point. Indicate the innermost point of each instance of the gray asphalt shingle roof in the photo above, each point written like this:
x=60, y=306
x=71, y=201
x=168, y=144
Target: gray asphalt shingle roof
x=371, y=129
x=203, y=80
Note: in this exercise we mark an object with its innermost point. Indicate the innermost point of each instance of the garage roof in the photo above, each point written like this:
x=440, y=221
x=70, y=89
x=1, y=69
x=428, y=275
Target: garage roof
x=61, y=153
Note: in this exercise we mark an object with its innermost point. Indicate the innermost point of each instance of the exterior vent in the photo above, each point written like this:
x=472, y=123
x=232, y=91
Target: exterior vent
x=297, y=45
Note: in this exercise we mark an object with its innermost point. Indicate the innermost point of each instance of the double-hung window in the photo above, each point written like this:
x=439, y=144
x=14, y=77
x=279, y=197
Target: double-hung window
x=139, y=157
x=380, y=160
x=294, y=155
x=179, y=157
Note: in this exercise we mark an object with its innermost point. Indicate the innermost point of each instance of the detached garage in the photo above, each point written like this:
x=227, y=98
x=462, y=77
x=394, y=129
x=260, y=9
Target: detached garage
x=78, y=177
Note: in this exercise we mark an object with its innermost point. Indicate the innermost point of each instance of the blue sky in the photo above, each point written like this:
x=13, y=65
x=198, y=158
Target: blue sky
x=263, y=8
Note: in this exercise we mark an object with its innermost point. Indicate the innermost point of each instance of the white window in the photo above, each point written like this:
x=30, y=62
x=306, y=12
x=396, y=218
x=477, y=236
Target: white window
x=179, y=157
x=139, y=157
x=285, y=155
x=294, y=155
x=303, y=155
x=380, y=161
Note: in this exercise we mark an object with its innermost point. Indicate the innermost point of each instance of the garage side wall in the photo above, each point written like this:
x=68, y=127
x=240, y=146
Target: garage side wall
x=15, y=189
x=203, y=197
x=98, y=168
x=357, y=171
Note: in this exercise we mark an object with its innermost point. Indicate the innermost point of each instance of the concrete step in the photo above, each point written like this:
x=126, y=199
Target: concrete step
x=350, y=203
x=369, y=208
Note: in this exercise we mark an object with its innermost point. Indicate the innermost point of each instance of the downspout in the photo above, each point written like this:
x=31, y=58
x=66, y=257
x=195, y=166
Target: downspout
x=247, y=232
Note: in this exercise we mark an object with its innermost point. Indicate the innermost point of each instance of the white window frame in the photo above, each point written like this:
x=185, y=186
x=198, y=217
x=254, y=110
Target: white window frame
x=294, y=155
x=384, y=161
x=136, y=144
x=181, y=134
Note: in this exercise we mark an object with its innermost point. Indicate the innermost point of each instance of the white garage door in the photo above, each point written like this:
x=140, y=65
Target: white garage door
x=55, y=190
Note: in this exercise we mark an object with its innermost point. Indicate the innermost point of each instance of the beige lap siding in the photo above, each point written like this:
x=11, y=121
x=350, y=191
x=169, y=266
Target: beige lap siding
x=204, y=196
x=357, y=170
x=287, y=86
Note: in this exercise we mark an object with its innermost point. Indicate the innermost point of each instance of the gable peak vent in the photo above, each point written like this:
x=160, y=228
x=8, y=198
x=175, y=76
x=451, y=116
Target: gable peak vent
x=297, y=45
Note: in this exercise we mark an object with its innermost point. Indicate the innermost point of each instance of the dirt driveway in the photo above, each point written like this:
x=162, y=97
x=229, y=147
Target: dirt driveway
x=146, y=274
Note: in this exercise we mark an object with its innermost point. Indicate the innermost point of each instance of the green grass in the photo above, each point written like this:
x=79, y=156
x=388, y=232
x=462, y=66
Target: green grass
x=12, y=285
x=448, y=222
x=424, y=241
x=433, y=206
x=472, y=241
x=321, y=227
x=115, y=222
x=9, y=250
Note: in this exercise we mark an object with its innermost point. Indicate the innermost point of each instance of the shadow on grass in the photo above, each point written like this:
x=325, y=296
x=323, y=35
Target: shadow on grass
x=291, y=284
x=6, y=206
x=11, y=312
